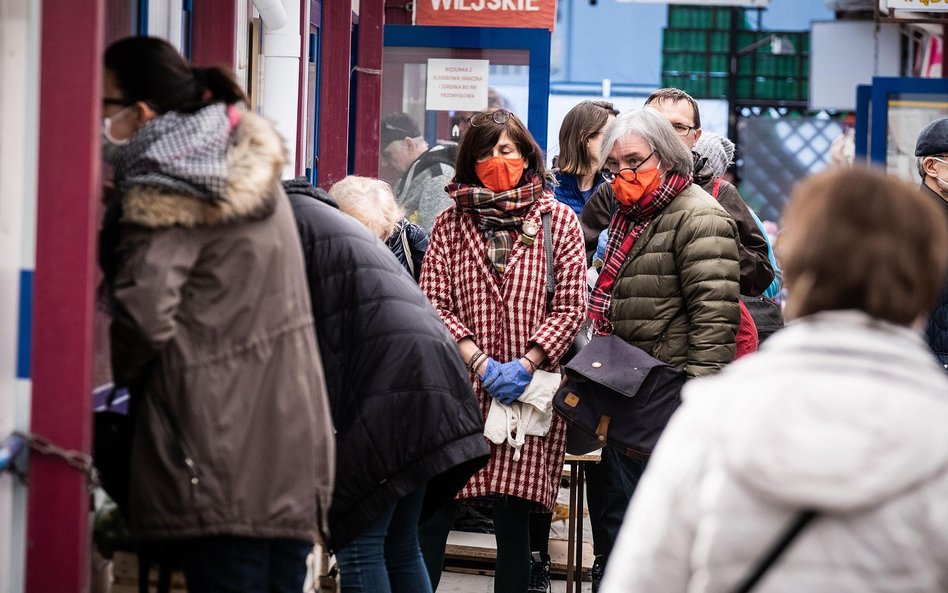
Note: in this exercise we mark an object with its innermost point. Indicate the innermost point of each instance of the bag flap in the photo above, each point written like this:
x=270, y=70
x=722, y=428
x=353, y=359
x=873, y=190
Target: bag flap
x=614, y=363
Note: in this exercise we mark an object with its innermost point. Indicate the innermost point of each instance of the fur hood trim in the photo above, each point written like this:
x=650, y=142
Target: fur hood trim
x=255, y=162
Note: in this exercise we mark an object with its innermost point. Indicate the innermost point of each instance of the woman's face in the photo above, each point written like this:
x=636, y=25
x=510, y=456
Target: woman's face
x=594, y=144
x=125, y=119
x=505, y=148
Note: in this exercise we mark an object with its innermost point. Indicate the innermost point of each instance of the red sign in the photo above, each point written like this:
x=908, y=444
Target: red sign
x=530, y=14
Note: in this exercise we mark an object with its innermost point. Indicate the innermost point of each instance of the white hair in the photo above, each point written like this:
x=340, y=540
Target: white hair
x=370, y=201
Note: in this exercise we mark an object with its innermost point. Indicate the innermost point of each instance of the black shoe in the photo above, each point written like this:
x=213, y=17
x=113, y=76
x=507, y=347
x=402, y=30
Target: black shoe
x=539, y=573
x=597, y=571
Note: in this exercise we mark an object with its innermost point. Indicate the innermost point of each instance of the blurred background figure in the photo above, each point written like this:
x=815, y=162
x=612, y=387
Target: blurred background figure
x=485, y=273
x=424, y=170
x=843, y=413
x=718, y=153
x=931, y=154
x=371, y=202
x=576, y=167
x=408, y=428
x=233, y=448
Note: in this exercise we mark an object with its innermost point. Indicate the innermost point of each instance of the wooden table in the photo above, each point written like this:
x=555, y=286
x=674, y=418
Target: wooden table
x=574, y=520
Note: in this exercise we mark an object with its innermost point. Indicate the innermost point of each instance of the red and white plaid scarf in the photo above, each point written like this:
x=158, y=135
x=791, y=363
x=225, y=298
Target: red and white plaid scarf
x=496, y=213
x=627, y=224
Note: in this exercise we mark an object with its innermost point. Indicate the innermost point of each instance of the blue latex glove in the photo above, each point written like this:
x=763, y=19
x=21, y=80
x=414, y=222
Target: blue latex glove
x=508, y=381
x=491, y=371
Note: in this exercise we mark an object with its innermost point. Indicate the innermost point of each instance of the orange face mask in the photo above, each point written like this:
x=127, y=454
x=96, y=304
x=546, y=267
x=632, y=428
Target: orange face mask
x=630, y=192
x=499, y=174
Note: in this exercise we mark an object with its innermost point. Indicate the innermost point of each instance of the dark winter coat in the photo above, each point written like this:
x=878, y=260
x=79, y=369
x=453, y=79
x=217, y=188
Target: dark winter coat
x=756, y=271
x=676, y=295
x=402, y=402
x=417, y=240
x=214, y=335
x=936, y=333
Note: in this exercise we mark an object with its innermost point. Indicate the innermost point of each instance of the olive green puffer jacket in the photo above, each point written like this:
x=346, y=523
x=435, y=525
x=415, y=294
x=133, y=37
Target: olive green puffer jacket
x=676, y=295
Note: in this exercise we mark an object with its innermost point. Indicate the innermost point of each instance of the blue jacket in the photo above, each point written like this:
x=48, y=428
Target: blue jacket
x=567, y=190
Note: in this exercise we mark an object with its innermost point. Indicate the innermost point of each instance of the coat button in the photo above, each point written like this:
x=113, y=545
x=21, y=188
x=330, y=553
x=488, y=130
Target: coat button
x=596, y=365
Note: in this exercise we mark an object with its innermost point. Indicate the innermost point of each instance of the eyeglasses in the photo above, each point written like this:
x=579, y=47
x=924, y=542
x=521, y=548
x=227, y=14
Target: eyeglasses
x=630, y=174
x=939, y=158
x=499, y=117
x=683, y=130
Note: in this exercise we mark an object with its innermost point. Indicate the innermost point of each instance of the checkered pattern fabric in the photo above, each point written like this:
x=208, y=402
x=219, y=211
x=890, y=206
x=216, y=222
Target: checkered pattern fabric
x=504, y=315
x=495, y=213
x=628, y=222
x=184, y=153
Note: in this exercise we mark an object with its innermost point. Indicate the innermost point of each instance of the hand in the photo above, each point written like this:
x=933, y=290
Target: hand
x=491, y=370
x=508, y=382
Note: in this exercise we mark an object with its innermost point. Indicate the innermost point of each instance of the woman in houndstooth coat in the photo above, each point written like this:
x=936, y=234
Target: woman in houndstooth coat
x=485, y=273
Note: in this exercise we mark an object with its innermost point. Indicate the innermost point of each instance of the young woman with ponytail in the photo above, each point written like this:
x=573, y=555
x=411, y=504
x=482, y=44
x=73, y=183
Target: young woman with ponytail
x=232, y=454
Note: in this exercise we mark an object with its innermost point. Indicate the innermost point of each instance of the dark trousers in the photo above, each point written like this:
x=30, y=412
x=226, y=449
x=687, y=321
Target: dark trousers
x=244, y=565
x=511, y=529
x=622, y=477
x=597, y=482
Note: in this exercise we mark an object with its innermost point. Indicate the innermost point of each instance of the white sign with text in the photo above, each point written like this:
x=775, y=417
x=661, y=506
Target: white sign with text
x=456, y=85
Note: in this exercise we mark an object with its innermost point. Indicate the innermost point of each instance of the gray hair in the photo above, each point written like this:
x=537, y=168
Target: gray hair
x=657, y=132
x=920, y=163
x=370, y=201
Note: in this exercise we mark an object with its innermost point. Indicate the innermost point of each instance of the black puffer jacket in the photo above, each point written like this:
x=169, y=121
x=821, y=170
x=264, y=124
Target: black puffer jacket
x=401, y=399
x=417, y=240
x=937, y=330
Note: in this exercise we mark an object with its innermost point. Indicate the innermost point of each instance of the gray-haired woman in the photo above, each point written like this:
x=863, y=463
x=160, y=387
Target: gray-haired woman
x=669, y=281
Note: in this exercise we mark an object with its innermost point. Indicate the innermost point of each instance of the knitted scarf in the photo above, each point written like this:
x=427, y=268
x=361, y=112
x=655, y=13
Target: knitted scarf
x=496, y=213
x=627, y=224
x=184, y=153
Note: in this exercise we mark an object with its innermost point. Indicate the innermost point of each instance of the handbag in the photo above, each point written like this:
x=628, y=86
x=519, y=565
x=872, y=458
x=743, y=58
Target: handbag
x=766, y=314
x=616, y=394
x=113, y=419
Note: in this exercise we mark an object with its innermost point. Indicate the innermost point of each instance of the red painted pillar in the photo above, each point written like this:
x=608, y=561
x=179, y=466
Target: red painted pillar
x=57, y=555
x=215, y=33
x=334, y=92
x=368, y=80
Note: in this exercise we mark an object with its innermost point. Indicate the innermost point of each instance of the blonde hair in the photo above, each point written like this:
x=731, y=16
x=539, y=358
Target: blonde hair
x=370, y=201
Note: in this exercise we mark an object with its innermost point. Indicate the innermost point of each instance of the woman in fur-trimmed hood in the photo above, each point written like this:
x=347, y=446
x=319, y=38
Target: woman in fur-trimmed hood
x=232, y=456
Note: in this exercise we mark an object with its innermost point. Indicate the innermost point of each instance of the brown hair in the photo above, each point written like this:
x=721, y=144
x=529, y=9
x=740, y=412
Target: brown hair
x=480, y=139
x=151, y=70
x=674, y=95
x=581, y=123
x=857, y=239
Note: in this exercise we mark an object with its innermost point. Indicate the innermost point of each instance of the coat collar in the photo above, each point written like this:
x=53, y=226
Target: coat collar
x=255, y=161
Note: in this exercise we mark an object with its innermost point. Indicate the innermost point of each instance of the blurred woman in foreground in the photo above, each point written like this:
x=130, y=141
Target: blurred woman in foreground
x=843, y=412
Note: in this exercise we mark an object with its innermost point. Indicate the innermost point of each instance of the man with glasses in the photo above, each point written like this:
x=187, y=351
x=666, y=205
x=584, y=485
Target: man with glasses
x=681, y=110
x=931, y=152
x=424, y=171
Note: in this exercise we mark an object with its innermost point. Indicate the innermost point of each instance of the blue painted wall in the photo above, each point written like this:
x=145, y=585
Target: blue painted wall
x=623, y=41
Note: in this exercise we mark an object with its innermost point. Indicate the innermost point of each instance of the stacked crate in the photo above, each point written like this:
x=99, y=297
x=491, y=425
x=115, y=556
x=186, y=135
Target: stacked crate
x=696, y=57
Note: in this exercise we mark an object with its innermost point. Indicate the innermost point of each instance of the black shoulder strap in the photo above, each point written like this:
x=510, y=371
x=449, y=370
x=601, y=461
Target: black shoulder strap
x=778, y=548
x=548, y=248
